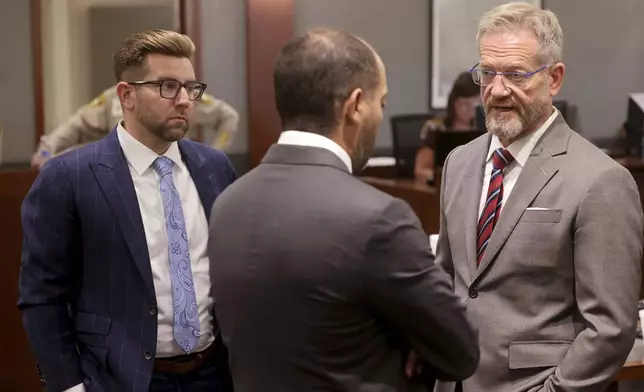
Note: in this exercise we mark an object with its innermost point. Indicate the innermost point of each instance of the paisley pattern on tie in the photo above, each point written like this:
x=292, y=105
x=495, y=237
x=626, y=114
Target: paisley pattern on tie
x=186, y=312
x=492, y=210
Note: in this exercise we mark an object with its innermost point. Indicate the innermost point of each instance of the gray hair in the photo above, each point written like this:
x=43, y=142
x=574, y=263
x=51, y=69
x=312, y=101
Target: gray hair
x=520, y=15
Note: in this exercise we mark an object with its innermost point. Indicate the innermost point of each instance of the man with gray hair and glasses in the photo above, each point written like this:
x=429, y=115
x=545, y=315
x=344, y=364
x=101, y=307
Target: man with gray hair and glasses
x=540, y=230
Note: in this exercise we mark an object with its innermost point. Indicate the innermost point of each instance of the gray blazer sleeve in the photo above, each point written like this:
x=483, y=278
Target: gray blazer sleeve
x=443, y=251
x=607, y=260
x=414, y=295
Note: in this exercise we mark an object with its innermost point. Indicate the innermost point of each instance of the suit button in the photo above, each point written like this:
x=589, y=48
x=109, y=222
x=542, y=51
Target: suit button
x=147, y=355
x=153, y=311
x=473, y=292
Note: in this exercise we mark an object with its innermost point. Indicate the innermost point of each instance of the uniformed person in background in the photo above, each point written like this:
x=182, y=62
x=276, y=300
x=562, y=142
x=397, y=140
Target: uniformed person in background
x=97, y=118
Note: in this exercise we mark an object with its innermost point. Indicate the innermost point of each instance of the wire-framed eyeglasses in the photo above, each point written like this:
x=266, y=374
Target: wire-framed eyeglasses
x=169, y=88
x=485, y=76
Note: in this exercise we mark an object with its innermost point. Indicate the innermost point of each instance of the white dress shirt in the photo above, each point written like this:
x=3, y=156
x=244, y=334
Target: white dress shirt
x=146, y=185
x=520, y=150
x=309, y=139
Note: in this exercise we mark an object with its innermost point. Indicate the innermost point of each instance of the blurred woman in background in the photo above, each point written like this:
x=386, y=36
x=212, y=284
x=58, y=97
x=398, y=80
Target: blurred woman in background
x=459, y=116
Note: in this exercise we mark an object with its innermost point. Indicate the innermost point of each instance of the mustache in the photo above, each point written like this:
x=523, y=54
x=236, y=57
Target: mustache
x=502, y=104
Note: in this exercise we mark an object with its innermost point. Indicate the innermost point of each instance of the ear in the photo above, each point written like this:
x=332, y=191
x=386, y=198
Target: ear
x=352, y=110
x=126, y=94
x=555, y=80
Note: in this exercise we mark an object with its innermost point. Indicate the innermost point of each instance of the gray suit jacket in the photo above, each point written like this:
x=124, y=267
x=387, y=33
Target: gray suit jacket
x=322, y=282
x=555, y=296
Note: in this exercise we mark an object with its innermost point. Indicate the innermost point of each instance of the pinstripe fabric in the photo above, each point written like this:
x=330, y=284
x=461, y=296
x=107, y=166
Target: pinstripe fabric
x=85, y=254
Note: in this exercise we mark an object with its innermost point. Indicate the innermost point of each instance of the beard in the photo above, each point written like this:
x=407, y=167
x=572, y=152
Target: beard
x=169, y=131
x=359, y=160
x=364, y=148
x=510, y=125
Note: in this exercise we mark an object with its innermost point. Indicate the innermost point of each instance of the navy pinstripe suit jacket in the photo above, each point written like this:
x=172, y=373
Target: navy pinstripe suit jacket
x=86, y=289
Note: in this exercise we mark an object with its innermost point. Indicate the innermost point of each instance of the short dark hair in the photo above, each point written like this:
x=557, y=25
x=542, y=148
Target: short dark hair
x=315, y=74
x=130, y=56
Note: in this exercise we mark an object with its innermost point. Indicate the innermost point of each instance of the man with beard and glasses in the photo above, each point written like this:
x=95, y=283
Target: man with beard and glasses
x=540, y=230
x=115, y=283
x=320, y=281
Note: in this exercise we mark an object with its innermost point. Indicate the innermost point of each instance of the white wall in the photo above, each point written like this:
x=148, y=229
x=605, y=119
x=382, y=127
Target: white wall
x=398, y=30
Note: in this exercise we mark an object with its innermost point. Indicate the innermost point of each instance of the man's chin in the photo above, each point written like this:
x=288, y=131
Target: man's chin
x=174, y=134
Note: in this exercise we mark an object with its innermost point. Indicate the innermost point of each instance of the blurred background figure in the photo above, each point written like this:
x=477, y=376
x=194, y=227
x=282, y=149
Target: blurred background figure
x=459, y=116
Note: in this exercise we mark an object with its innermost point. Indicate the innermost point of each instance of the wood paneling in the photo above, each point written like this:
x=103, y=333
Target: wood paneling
x=190, y=17
x=269, y=25
x=37, y=72
x=18, y=370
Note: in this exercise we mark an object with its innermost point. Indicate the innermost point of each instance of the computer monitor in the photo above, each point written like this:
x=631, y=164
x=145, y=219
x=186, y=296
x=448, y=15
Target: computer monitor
x=635, y=124
x=560, y=104
x=445, y=142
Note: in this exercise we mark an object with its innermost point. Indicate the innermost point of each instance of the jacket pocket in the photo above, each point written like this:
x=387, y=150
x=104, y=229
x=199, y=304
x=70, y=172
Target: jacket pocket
x=537, y=353
x=92, y=329
x=541, y=216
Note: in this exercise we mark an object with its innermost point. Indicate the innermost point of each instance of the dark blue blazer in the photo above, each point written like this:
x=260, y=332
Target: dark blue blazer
x=86, y=289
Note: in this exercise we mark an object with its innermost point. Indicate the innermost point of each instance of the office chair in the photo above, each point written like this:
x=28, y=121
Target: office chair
x=405, y=130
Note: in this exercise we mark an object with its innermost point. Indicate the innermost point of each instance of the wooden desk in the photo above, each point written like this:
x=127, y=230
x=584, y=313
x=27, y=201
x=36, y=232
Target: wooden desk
x=379, y=171
x=18, y=370
x=633, y=368
x=422, y=198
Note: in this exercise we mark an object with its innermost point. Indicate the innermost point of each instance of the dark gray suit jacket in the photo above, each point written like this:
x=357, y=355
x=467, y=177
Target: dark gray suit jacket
x=322, y=282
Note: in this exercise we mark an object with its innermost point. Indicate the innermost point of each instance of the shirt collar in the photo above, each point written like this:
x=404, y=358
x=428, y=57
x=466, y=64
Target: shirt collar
x=140, y=156
x=522, y=148
x=309, y=139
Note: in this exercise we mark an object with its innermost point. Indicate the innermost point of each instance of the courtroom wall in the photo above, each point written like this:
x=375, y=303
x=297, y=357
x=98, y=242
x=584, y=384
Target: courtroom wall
x=16, y=99
x=398, y=30
x=604, y=58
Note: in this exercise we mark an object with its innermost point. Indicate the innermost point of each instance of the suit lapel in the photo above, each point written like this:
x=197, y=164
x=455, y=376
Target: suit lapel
x=195, y=162
x=539, y=169
x=113, y=177
x=471, y=189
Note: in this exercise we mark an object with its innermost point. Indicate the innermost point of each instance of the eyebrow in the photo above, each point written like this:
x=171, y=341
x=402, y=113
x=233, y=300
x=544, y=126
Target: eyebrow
x=512, y=67
x=162, y=77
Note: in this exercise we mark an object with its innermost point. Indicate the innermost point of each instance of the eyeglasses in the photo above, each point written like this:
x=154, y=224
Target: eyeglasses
x=169, y=89
x=485, y=76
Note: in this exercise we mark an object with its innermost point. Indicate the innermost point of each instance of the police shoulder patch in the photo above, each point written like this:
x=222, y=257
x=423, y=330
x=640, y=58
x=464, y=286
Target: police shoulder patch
x=98, y=101
x=207, y=99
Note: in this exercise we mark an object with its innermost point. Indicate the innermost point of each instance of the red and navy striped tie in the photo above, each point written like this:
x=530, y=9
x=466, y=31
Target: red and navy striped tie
x=500, y=159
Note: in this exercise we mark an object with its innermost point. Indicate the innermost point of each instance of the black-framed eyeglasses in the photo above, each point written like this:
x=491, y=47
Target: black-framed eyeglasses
x=169, y=88
x=485, y=77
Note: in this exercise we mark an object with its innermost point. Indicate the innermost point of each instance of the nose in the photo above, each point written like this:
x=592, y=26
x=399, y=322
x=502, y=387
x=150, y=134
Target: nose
x=182, y=97
x=498, y=87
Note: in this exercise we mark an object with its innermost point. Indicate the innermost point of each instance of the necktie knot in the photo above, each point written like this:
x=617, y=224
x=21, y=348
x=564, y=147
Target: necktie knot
x=501, y=158
x=163, y=166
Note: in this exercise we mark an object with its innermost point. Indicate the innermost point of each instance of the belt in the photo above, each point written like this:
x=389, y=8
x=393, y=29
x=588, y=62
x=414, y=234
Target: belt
x=186, y=363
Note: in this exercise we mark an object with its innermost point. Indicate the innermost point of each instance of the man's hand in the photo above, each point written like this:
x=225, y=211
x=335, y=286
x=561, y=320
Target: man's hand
x=39, y=159
x=413, y=365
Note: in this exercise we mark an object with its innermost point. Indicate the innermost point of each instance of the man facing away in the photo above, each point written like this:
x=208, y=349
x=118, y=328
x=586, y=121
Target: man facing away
x=115, y=287
x=322, y=282
x=540, y=230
